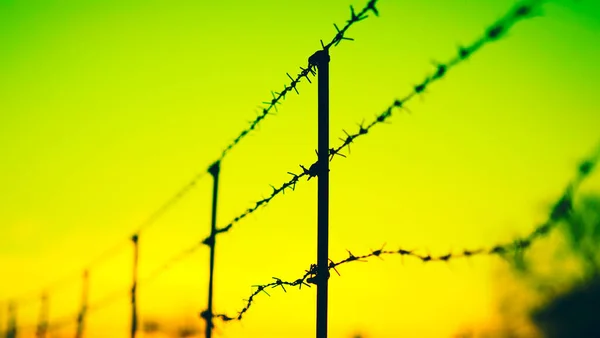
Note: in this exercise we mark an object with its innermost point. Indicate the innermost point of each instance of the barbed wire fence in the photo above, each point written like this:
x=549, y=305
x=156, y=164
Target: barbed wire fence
x=277, y=98
x=495, y=32
x=560, y=211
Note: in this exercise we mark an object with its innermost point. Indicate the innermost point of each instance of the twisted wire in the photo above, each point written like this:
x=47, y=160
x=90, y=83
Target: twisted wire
x=271, y=105
x=304, y=73
x=493, y=33
x=560, y=211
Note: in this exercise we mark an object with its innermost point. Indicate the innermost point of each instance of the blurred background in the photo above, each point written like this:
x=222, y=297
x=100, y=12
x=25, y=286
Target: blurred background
x=107, y=108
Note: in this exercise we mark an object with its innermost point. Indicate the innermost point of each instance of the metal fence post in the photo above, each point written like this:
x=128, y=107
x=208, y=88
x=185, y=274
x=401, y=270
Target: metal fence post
x=84, y=305
x=321, y=60
x=208, y=314
x=134, y=314
x=11, y=327
x=42, y=328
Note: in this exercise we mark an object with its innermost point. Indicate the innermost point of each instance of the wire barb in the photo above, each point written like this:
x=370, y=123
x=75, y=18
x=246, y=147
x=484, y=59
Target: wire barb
x=305, y=73
x=520, y=245
x=398, y=104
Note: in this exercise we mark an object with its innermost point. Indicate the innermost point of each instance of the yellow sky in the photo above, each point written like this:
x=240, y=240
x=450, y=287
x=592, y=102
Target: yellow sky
x=107, y=108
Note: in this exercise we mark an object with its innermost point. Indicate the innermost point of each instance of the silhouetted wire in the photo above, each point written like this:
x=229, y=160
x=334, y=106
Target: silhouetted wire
x=105, y=301
x=304, y=73
x=277, y=97
x=120, y=294
x=68, y=280
x=71, y=279
x=65, y=321
x=493, y=33
x=169, y=203
x=561, y=210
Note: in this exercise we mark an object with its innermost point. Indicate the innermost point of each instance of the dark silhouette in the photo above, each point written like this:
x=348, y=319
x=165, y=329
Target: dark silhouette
x=321, y=60
x=572, y=312
x=42, y=327
x=150, y=326
x=575, y=313
x=319, y=273
x=492, y=34
x=208, y=314
x=180, y=330
x=84, y=305
x=304, y=73
x=11, y=329
x=277, y=97
x=513, y=251
x=134, y=286
x=186, y=331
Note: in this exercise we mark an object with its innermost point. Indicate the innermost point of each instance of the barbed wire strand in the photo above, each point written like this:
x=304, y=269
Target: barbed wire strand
x=277, y=98
x=119, y=294
x=305, y=73
x=68, y=280
x=72, y=319
x=493, y=33
x=560, y=211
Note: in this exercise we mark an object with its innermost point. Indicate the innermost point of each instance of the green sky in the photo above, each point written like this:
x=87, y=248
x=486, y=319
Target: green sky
x=108, y=107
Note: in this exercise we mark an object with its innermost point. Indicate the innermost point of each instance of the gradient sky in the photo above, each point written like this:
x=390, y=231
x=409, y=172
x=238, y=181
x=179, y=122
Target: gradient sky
x=108, y=107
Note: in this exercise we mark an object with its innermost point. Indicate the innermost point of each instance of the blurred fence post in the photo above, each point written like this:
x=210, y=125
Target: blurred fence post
x=42, y=328
x=84, y=305
x=208, y=314
x=321, y=60
x=11, y=325
x=134, y=315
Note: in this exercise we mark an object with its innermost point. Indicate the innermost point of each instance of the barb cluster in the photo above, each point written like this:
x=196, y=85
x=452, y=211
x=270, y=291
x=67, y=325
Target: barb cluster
x=277, y=97
x=305, y=73
x=561, y=210
x=493, y=33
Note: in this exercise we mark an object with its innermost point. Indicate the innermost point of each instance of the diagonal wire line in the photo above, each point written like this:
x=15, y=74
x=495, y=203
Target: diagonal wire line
x=64, y=321
x=561, y=210
x=119, y=294
x=304, y=73
x=170, y=202
x=68, y=280
x=493, y=33
x=277, y=98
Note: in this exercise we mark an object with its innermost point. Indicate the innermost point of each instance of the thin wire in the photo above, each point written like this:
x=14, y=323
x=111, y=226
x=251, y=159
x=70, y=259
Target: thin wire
x=561, y=211
x=31, y=298
x=493, y=33
x=68, y=280
x=304, y=73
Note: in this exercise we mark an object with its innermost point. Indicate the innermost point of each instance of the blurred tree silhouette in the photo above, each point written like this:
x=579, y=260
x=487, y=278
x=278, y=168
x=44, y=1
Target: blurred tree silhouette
x=583, y=233
x=570, y=298
x=575, y=313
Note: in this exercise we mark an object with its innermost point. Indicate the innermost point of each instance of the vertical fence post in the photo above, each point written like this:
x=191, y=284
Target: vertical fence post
x=11, y=327
x=208, y=314
x=134, y=315
x=42, y=327
x=84, y=305
x=321, y=60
